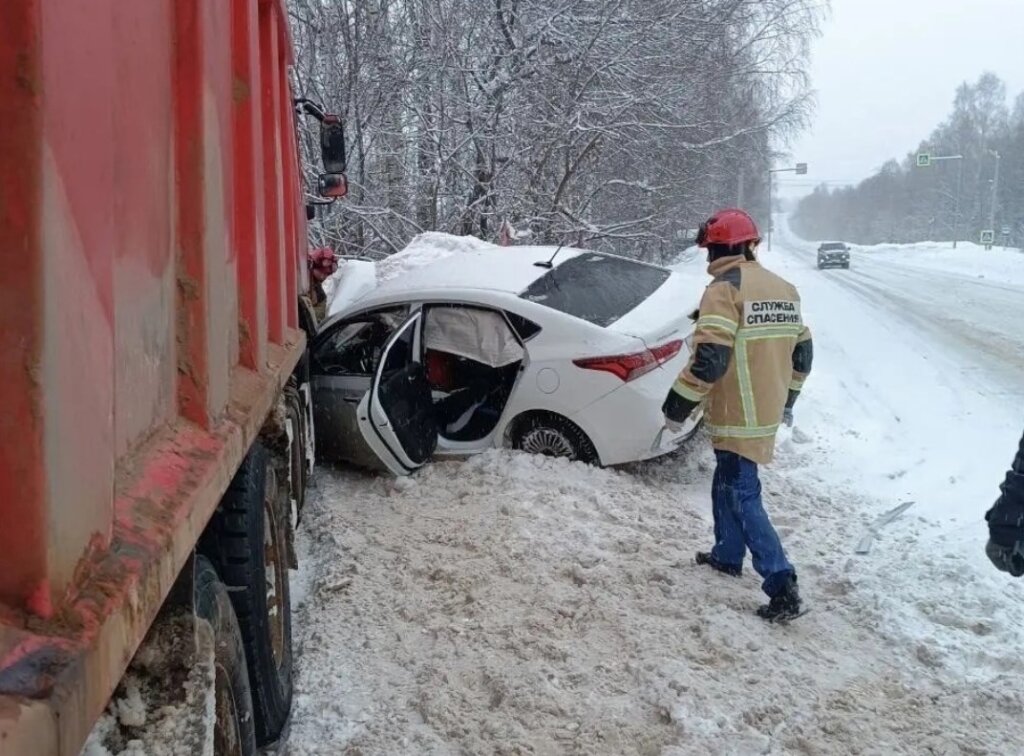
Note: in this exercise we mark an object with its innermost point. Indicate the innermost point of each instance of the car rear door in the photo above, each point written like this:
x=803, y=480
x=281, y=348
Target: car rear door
x=396, y=416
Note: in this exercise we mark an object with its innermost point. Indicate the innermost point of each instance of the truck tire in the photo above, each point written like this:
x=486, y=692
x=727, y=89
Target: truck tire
x=246, y=539
x=299, y=472
x=234, y=730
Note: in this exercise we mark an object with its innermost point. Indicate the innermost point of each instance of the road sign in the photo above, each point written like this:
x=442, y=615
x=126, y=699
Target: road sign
x=801, y=169
x=1005, y=230
x=987, y=237
x=924, y=159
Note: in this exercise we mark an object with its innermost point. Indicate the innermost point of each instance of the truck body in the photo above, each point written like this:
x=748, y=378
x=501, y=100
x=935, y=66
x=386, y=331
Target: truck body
x=153, y=250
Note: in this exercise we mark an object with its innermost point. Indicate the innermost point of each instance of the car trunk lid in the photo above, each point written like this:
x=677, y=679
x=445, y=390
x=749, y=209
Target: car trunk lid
x=665, y=315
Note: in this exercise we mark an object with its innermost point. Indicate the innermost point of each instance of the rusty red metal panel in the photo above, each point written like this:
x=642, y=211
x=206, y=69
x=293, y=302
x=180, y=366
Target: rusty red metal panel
x=79, y=242
x=218, y=168
x=120, y=196
x=207, y=324
x=22, y=478
x=191, y=325
x=59, y=219
x=298, y=204
x=248, y=200
x=281, y=8
x=56, y=676
x=272, y=165
x=144, y=360
x=289, y=181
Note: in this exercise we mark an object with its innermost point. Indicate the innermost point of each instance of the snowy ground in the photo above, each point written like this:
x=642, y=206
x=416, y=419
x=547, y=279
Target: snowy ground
x=516, y=605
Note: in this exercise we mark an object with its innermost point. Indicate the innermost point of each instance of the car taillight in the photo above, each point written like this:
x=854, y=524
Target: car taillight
x=666, y=352
x=629, y=367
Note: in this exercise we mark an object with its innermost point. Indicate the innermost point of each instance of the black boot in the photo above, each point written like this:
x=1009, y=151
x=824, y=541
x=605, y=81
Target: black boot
x=784, y=605
x=732, y=570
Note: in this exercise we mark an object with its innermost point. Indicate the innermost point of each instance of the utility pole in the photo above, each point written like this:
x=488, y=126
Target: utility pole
x=800, y=169
x=924, y=160
x=995, y=193
x=956, y=204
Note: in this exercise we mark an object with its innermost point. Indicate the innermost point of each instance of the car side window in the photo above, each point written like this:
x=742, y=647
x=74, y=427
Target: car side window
x=355, y=346
x=525, y=329
x=401, y=352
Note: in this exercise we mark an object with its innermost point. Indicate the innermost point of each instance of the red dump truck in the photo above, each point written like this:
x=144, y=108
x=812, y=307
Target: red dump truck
x=155, y=430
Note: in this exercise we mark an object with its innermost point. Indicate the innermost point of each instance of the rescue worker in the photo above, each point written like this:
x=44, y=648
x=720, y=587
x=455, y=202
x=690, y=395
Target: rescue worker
x=751, y=355
x=1006, y=521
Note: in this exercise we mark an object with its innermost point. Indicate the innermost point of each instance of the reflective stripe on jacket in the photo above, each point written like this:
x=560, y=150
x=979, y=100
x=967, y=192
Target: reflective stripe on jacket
x=752, y=353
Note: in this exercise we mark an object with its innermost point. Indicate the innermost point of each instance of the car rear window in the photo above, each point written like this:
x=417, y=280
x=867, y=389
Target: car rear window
x=597, y=288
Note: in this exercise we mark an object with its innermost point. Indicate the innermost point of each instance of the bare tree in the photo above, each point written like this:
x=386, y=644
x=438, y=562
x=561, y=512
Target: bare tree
x=904, y=203
x=612, y=123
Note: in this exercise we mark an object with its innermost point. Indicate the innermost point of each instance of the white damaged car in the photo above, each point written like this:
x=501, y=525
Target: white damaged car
x=465, y=346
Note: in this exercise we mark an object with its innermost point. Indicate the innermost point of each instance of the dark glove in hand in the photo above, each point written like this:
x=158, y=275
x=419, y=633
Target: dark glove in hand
x=1006, y=535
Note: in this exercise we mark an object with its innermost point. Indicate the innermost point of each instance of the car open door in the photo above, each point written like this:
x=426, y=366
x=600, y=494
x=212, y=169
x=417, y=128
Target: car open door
x=396, y=417
x=345, y=356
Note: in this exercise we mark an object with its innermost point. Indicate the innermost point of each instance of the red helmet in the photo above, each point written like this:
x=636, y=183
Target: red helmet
x=728, y=227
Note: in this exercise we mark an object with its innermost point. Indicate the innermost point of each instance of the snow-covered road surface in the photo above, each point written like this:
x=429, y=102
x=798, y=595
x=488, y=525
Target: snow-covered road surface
x=519, y=605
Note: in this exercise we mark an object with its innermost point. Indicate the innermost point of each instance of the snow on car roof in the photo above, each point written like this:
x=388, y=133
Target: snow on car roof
x=435, y=260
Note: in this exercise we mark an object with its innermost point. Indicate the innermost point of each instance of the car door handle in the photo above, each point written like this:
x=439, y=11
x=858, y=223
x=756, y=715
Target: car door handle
x=350, y=399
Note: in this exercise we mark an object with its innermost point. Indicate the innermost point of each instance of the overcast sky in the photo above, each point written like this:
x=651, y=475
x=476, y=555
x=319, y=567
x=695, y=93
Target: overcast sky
x=885, y=72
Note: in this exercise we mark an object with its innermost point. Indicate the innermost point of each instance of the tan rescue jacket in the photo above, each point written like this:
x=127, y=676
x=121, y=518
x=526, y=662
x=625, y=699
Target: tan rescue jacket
x=752, y=353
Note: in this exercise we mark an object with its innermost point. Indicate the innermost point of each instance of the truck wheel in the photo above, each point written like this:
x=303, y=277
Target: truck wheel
x=299, y=473
x=234, y=731
x=247, y=540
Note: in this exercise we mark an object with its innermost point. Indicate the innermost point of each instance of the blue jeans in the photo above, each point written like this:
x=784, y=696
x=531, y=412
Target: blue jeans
x=741, y=522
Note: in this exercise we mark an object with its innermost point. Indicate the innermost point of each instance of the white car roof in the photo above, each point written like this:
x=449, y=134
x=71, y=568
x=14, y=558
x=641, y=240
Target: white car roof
x=505, y=269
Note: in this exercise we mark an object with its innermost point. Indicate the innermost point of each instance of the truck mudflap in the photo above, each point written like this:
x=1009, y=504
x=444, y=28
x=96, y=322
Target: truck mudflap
x=56, y=675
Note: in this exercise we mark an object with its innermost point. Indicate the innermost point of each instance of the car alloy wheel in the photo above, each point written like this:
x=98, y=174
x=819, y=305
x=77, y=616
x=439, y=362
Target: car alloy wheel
x=549, y=442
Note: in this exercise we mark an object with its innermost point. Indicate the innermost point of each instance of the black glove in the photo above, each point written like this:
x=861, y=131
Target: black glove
x=1006, y=535
x=677, y=408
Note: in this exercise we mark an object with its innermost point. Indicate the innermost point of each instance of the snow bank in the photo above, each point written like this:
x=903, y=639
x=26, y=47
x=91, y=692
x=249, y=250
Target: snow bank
x=515, y=604
x=968, y=259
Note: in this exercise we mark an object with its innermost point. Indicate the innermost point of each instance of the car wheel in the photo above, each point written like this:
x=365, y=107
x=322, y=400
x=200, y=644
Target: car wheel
x=552, y=435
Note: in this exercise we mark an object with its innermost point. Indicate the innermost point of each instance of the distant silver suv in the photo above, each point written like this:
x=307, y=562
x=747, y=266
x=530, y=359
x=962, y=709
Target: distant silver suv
x=833, y=255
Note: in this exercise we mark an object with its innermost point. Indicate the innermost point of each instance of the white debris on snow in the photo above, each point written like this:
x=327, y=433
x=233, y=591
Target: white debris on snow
x=164, y=705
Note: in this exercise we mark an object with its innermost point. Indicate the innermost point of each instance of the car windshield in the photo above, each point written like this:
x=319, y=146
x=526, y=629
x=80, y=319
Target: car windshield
x=833, y=247
x=597, y=288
